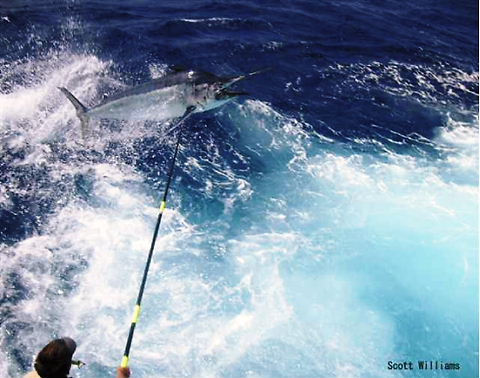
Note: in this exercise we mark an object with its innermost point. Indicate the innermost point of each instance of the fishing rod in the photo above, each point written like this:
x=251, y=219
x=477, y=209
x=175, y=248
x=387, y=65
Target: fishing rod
x=163, y=205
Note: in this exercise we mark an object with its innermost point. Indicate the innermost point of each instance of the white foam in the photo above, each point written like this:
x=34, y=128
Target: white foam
x=427, y=84
x=112, y=240
x=210, y=20
x=460, y=139
x=290, y=273
x=38, y=104
x=157, y=70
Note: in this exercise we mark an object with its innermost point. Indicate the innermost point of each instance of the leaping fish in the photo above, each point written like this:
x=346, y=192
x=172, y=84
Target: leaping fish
x=177, y=94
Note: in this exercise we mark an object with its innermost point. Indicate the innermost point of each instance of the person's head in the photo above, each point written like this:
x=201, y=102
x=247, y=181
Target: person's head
x=55, y=359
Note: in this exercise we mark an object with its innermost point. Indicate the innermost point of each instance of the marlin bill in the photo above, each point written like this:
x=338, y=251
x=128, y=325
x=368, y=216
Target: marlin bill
x=177, y=94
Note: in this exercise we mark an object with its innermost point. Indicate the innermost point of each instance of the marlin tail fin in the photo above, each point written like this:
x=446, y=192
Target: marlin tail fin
x=81, y=111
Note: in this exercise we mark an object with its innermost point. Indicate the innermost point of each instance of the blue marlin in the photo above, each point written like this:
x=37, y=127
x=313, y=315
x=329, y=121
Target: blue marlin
x=177, y=94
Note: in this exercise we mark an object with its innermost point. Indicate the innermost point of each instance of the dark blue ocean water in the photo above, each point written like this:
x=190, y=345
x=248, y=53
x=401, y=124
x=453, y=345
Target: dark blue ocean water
x=321, y=226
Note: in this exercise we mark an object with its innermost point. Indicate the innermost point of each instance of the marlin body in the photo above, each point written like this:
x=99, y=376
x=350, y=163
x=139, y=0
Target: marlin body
x=174, y=95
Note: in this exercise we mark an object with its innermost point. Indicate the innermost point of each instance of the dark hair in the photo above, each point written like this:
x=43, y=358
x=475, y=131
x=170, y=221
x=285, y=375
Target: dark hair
x=55, y=359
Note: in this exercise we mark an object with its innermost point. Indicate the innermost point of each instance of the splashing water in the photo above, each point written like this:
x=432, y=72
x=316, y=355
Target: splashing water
x=284, y=252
